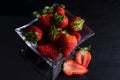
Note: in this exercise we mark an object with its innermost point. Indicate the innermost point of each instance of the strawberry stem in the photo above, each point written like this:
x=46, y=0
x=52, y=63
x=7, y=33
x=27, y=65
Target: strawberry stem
x=61, y=5
x=65, y=31
x=31, y=36
x=84, y=48
x=36, y=14
x=58, y=18
x=78, y=23
x=46, y=10
x=54, y=31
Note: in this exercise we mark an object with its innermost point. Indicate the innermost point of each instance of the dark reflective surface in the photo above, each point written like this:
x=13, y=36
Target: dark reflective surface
x=44, y=69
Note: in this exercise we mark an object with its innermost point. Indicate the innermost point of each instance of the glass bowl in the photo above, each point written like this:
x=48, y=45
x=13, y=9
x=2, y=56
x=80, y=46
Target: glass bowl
x=55, y=65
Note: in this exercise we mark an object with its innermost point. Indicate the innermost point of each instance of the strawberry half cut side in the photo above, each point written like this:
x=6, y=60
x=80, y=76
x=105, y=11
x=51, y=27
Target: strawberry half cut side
x=70, y=68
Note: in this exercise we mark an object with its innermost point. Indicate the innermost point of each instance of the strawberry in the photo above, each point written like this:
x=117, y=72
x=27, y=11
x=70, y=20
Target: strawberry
x=44, y=17
x=79, y=57
x=68, y=44
x=49, y=50
x=83, y=56
x=60, y=9
x=44, y=40
x=33, y=34
x=76, y=23
x=61, y=21
x=70, y=68
x=45, y=21
x=76, y=33
x=55, y=33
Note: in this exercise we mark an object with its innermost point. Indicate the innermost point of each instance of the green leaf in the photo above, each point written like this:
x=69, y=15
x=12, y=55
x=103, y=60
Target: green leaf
x=31, y=36
x=57, y=18
x=45, y=10
x=36, y=14
x=54, y=31
x=61, y=5
x=84, y=48
x=78, y=24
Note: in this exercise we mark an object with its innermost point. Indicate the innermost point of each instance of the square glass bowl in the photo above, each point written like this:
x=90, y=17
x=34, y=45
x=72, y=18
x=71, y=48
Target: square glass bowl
x=55, y=65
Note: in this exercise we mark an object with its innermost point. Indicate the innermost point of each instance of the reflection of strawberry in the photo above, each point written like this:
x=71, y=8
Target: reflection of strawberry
x=49, y=50
x=70, y=67
x=76, y=23
x=55, y=33
x=61, y=21
x=60, y=9
x=77, y=35
x=68, y=44
x=33, y=34
x=83, y=56
x=45, y=21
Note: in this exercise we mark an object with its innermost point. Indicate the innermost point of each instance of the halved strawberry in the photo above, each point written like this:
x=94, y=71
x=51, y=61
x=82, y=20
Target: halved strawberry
x=60, y=9
x=33, y=34
x=61, y=21
x=68, y=44
x=70, y=68
x=76, y=33
x=83, y=56
x=79, y=57
x=76, y=23
x=49, y=50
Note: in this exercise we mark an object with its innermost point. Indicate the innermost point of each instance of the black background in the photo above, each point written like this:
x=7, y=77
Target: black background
x=103, y=16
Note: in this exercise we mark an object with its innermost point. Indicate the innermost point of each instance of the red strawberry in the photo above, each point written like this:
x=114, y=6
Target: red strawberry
x=76, y=23
x=83, y=56
x=44, y=16
x=61, y=21
x=70, y=68
x=68, y=44
x=49, y=50
x=55, y=33
x=45, y=21
x=60, y=9
x=77, y=35
x=33, y=34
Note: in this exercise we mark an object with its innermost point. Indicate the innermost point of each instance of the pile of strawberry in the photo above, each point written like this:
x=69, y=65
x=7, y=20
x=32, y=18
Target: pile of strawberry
x=55, y=33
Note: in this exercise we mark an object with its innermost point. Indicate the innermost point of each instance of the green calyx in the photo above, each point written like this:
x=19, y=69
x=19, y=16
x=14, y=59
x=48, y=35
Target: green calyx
x=54, y=31
x=65, y=31
x=83, y=49
x=61, y=5
x=31, y=36
x=78, y=24
x=46, y=10
x=58, y=18
x=36, y=14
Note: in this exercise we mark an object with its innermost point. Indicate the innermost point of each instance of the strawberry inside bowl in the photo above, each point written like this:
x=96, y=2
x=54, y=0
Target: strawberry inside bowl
x=54, y=34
